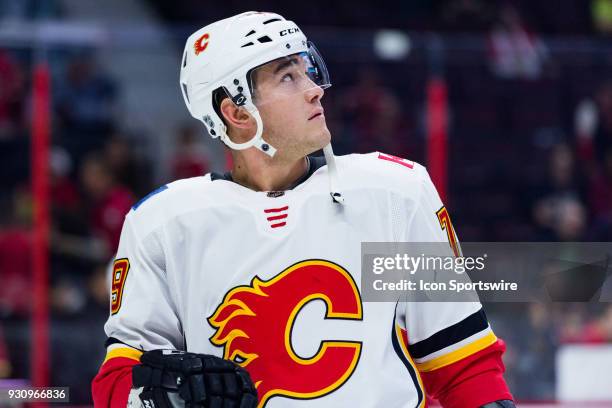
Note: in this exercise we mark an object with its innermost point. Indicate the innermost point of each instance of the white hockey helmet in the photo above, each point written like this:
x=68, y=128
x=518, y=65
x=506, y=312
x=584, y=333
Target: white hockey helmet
x=224, y=54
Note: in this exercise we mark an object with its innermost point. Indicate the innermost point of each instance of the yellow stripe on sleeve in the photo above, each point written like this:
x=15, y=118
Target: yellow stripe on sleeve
x=126, y=352
x=458, y=354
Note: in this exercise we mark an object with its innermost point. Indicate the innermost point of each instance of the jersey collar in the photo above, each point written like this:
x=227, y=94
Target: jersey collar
x=314, y=163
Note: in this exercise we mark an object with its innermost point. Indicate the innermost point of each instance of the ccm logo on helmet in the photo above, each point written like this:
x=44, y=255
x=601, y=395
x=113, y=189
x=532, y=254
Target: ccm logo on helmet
x=201, y=44
x=289, y=31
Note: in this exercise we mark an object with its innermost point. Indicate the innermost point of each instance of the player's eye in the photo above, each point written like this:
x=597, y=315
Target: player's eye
x=287, y=77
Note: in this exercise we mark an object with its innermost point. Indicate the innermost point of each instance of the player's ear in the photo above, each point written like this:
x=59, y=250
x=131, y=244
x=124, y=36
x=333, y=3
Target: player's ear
x=236, y=116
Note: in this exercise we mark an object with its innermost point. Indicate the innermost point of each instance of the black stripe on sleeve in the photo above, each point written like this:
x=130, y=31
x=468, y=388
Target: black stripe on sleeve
x=467, y=327
x=111, y=340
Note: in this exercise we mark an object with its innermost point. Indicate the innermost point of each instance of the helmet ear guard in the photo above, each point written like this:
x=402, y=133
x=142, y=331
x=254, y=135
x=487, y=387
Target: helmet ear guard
x=255, y=141
x=220, y=130
x=242, y=97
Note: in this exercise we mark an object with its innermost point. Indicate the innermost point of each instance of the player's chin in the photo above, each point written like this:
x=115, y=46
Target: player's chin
x=322, y=136
x=316, y=139
x=316, y=143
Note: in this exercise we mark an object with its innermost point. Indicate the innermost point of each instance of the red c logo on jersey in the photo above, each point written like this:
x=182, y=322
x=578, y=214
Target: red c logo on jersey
x=201, y=44
x=254, y=325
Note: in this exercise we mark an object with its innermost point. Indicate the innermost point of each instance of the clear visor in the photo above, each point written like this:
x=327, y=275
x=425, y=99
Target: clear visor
x=288, y=77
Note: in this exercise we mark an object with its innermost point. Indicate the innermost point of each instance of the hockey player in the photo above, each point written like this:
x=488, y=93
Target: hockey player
x=240, y=289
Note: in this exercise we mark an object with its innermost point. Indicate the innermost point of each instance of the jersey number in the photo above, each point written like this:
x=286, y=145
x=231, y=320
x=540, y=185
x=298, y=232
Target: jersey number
x=447, y=225
x=120, y=271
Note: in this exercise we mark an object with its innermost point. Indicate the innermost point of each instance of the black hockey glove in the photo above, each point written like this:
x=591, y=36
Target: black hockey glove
x=198, y=380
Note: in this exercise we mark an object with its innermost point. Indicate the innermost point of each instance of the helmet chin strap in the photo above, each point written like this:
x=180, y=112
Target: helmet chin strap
x=256, y=141
x=333, y=175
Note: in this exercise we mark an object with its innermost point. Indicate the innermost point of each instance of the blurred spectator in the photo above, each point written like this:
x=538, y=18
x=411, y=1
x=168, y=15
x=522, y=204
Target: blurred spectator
x=593, y=126
x=15, y=258
x=109, y=200
x=12, y=95
x=86, y=104
x=63, y=191
x=601, y=11
x=559, y=211
x=570, y=321
x=15, y=264
x=5, y=362
x=585, y=124
x=71, y=242
x=76, y=357
x=191, y=156
x=98, y=290
x=567, y=220
x=515, y=51
x=391, y=133
x=467, y=15
x=536, y=354
x=374, y=113
x=602, y=140
x=128, y=169
x=599, y=330
x=576, y=327
x=600, y=193
x=67, y=297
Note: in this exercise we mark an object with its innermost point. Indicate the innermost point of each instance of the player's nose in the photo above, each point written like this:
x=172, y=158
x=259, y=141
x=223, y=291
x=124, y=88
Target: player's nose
x=314, y=93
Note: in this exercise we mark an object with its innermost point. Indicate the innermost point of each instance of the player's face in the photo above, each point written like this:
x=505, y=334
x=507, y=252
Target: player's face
x=289, y=103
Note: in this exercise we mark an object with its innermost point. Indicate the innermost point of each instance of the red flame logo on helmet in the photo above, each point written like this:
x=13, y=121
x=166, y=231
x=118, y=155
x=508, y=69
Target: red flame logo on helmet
x=254, y=324
x=201, y=44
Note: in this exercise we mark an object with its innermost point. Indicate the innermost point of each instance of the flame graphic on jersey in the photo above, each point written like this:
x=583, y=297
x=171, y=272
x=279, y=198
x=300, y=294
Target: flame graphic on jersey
x=254, y=325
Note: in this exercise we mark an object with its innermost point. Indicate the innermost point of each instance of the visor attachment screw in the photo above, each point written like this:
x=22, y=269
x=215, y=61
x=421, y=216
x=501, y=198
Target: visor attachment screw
x=239, y=89
x=288, y=45
x=265, y=147
x=208, y=121
x=236, y=82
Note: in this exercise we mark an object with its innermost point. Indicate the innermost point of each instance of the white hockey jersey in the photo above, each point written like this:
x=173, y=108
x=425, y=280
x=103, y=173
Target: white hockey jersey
x=271, y=281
